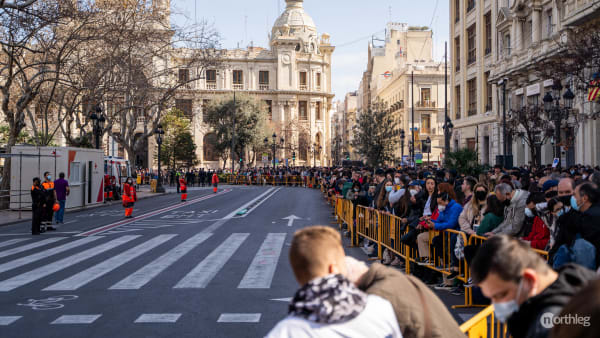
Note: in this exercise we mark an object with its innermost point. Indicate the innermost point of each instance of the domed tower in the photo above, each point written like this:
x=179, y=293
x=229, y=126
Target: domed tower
x=296, y=23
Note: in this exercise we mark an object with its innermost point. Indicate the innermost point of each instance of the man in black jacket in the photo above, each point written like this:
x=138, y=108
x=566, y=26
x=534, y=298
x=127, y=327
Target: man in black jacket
x=38, y=203
x=587, y=201
x=525, y=291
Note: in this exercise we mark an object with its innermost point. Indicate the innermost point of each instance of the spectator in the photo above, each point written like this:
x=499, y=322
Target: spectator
x=522, y=286
x=327, y=303
x=472, y=214
x=62, y=191
x=492, y=217
x=419, y=312
x=587, y=201
x=514, y=213
x=467, y=188
x=539, y=235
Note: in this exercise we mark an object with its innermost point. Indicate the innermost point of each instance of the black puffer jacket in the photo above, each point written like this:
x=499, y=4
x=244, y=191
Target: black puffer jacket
x=526, y=322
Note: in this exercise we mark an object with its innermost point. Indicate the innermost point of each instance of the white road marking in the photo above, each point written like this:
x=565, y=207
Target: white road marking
x=287, y=300
x=76, y=319
x=13, y=241
x=7, y=320
x=76, y=281
x=46, y=270
x=30, y=246
x=144, y=275
x=239, y=318
x=158, y=318
x=44, y=254
x=206, y=270
x=262, y=269
x=261, y=202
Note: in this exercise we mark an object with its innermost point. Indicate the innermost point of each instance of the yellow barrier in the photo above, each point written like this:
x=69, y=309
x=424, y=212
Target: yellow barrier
x=484, y=324
x=367, y=226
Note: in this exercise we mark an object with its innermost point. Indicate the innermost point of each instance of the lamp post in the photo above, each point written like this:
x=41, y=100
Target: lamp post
x=428, y=143
x=411, y=150
x=159, y=133
x=448, y=127
x=98, y=120
x=274, y=145
x=316, y=149
x=557, y=113
x=402, y=138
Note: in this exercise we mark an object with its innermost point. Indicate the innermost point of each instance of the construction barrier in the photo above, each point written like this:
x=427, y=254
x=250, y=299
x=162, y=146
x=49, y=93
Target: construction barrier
x=287, y=180
x=484, y=324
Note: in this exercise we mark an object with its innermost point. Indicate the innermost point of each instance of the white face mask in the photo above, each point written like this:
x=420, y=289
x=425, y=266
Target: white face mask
x=397, y=180
x=413, y=192
x=441, y=208
x=504, y=310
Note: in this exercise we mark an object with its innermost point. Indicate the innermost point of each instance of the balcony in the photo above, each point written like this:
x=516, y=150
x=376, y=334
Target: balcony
x=238, y=86
x=303, y=87
x=211, y=85
x=425, y=104
x=318, y=88
x=263, y=86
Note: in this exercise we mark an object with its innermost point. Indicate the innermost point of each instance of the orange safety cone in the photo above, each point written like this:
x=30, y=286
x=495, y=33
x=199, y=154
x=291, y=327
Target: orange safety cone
x=215, y=190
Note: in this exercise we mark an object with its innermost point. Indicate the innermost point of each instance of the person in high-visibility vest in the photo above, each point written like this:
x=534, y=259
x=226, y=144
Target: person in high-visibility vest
x=183, y=189
x=50, y=193
x=129, y=197
x=215, y=182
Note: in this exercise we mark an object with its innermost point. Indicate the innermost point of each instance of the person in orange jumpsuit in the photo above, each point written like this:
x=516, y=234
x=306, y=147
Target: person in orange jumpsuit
x=215, y=182
x=129, y=197
x=183, y=189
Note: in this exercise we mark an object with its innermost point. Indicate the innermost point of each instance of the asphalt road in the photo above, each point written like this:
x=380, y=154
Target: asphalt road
x=215, y=266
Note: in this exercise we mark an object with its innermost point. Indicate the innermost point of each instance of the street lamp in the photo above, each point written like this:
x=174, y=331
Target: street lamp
x=98, y=120
x=557, y=113
x=428, y=143
x=274, y=145
x=159, y=133
x=402, y=138
x=316, y=148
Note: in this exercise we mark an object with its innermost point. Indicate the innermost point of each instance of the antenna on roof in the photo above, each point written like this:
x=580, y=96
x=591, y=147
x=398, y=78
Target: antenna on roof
x=390, y=13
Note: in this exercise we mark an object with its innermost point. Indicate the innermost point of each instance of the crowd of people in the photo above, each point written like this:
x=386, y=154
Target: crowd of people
x=521, y=213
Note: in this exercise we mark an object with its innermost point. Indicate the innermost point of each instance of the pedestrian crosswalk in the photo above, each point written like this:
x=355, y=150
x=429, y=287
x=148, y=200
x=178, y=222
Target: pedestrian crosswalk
x=69, y=264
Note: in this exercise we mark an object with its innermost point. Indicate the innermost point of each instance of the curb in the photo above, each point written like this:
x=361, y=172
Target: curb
x=25, y=219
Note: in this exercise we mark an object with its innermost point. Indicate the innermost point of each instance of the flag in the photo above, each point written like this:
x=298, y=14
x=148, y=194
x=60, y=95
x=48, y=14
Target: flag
x=594, y=90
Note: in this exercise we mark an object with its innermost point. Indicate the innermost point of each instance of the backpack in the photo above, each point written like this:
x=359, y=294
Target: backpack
x=581, y=252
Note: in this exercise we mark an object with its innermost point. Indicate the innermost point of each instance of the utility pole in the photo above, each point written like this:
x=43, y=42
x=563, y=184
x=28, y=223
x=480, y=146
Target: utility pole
x=446, y=134
x=505, y=145
x=233, y=134
x=412, y=89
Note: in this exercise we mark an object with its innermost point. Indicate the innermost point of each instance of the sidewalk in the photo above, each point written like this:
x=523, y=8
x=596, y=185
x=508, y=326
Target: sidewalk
x=8, y=217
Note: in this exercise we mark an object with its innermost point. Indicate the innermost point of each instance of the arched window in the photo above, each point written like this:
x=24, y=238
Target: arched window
x=303, y=146
x=210, y=142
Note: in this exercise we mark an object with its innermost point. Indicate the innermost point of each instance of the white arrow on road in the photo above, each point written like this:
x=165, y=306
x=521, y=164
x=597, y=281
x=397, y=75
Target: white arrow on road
x=291, y=219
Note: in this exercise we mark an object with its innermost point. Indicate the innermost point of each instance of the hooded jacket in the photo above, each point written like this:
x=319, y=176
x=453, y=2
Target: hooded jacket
x=412, y=312
x=527, y=321
x=514, y=215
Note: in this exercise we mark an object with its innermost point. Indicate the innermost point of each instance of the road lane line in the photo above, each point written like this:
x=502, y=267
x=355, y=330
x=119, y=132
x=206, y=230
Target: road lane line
x=46, y=253
x=262, y=269
x=104, y=228
x=216, y=225
x=84, y=277
x=7, y=320
x=30, y=246
x=239, y=318
x=206, y=270
x=158, y=318
x=76, y=319
x=46, y=270
x=259, y=203
x=144, y=275
x=13, y=241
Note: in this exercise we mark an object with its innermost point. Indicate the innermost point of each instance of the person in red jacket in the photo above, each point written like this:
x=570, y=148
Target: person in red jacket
x=129, y=197
x=183, y=189
x=539, y=235
x=215, y=182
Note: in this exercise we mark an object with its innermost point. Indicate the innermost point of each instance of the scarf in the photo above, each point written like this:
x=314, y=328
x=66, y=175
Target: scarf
x=328, y=300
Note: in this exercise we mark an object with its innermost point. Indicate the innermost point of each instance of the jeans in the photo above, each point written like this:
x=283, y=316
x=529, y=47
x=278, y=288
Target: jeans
x=61, y=212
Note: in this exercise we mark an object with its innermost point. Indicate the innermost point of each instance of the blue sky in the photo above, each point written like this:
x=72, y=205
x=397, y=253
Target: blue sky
x=349, y=22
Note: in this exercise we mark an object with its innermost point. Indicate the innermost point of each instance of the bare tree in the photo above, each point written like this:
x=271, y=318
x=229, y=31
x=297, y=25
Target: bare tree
x=16, y=4
x=532, y=124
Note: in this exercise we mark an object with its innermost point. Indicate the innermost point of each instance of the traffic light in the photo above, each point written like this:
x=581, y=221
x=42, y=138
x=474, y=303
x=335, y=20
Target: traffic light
x=294, y=155
x=241, y=160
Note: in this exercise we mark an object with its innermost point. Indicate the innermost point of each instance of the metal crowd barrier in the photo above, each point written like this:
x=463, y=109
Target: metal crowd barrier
x=484, y=324
x=300, y=181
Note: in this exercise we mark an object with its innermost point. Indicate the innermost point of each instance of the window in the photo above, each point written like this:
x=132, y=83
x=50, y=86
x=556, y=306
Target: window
x=184, y=106
x=425, y=124
x=533, y=100
x=211, y=79
x=472, y=92
x=209, y=148
x=425, y=97
x=488, y=33
x=238, y=79
x=471, y=45
x=184, y=75
x=488, y=92
x=303, y=146
x=205, y=104
x=456, y=10
x=303, y=82
x=470, y=5
x=457, y=52
x=527, y=33
x=318, y=81
x=471, y=143
x=520, y=101
x=457, y=101
x=75, y=173
x=318, y=111
x=303, y=110
x=549, y=25
x=263, y=80
x=269, y=104
x=507, y=45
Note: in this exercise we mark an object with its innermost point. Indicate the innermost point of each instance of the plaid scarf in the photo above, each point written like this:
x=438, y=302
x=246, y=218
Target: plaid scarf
x=328, y=300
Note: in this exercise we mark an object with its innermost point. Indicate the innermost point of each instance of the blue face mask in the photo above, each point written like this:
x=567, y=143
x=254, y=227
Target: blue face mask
x=529, y=213
x=504, y=310
x=563, y=211
x=389, y=188
x=574, y=203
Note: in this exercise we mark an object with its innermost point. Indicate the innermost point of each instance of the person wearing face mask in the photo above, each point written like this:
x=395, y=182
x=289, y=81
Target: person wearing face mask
x=38, y=203
x=538, y=233
x=522, y=287
x=472, y=214
x=514, y=212
x=129, y=197
x=50, y=194
x=586, y=200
